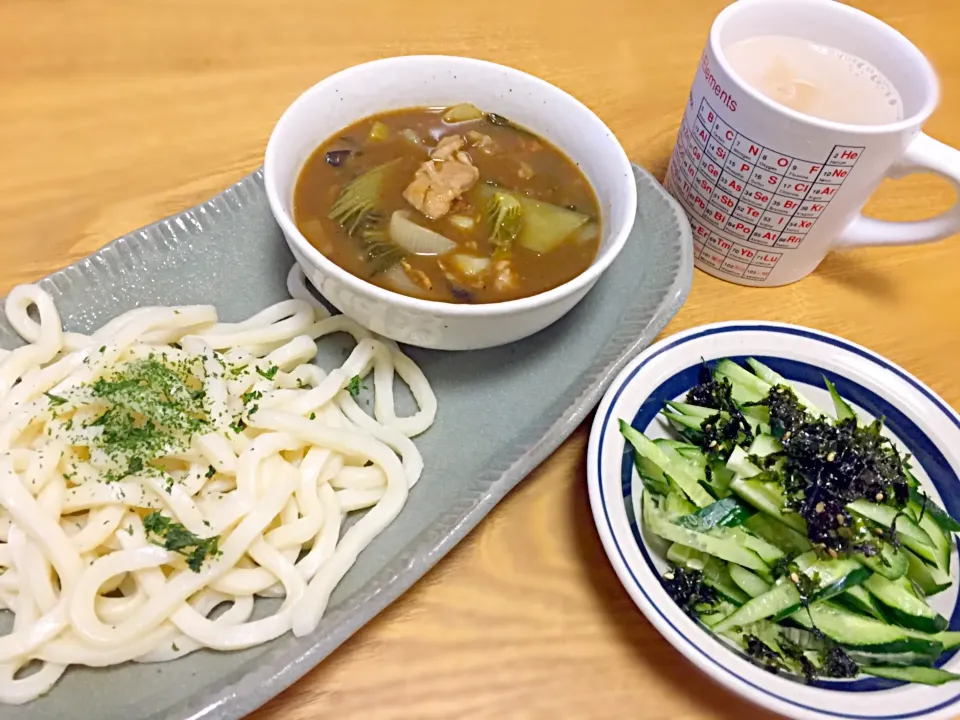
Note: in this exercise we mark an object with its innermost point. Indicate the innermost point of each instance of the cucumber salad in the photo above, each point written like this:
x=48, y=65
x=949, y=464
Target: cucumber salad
x=799, y=536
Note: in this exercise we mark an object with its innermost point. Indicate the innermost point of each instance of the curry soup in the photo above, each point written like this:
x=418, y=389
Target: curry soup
x=453, y=205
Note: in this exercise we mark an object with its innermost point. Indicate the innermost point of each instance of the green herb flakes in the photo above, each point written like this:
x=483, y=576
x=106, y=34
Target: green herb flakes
x=353, y=387
x=152, y=410
x=175, y=537
x=270, y=373
x=238, y=370
x=250, y=396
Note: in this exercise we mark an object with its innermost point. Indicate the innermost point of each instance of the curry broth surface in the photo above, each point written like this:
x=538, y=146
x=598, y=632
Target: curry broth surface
x=554, y=179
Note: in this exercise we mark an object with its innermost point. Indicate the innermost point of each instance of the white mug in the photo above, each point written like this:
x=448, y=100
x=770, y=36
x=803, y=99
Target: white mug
x=770, y=191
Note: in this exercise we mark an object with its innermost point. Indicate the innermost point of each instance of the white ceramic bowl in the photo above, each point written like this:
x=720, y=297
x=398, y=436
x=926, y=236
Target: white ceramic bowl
x=364, y=90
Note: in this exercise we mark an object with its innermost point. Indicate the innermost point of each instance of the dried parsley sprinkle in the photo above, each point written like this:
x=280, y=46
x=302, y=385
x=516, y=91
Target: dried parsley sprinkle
x=152, y=410
x=134, y=466
x=313, y=416
x=237, y=370
x=175, y=537
x=269, y=373
x=353, y=387
x=55, y=399
x=252, y=395
x=211, y=471
x=238, y=426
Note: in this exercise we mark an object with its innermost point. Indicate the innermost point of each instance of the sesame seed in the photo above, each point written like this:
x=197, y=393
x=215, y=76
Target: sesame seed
x=820, y=507
x=795, y=578
x=831, y=456
x=879, y=497
x=786, y=435
x=841, y=519
x=668, y=576
x=832, y=553
x=713, y=443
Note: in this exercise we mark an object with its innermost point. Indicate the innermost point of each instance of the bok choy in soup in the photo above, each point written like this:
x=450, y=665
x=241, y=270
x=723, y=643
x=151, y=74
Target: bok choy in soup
x=451, y=204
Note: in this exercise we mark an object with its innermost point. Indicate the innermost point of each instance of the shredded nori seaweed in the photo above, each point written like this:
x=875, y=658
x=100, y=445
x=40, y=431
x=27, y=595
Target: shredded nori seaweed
x=830, y=464
x=718, y=434
x=687, y=589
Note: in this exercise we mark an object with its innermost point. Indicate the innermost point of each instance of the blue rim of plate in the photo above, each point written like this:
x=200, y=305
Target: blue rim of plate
x=924, y=450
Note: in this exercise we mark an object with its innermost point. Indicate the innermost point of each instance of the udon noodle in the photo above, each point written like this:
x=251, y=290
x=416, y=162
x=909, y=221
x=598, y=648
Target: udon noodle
x=158, y=475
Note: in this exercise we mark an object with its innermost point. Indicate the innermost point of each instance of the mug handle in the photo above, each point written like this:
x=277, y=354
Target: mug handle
x=924, y=154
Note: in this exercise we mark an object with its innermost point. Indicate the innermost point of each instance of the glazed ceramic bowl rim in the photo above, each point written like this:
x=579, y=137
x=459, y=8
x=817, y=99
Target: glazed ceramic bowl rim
x=605, y=256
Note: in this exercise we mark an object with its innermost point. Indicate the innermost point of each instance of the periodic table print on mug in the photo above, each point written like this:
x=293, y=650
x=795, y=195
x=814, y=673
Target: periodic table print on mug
x=748, y=204
x=769, y=190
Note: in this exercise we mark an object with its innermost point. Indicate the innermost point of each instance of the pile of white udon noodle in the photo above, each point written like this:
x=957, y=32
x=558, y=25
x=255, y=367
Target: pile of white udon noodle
x=88, y=586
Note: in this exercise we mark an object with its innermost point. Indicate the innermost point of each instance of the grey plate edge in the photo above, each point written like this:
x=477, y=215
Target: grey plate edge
x=252, y=689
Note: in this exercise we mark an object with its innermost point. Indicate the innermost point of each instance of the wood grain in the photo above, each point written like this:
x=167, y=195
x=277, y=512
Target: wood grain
x=114, y=114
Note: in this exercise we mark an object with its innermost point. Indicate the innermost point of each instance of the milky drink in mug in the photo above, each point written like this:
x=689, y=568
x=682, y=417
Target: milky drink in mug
x=815, y=79
x=798, y=110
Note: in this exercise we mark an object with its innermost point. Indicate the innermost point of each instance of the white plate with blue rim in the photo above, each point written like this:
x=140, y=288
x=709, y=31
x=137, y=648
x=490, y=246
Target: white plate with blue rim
x=919, y=422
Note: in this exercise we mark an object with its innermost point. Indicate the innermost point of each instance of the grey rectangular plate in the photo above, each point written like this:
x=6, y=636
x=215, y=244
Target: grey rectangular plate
x=501, y=412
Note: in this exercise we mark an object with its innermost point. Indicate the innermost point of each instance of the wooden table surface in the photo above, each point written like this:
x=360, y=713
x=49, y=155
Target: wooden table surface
x=114, y=114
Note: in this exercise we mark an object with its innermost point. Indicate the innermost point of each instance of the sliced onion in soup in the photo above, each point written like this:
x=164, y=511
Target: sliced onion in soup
x=462, y=113
x=470, y=265
x=396, y=279
x=588, y=233
x=415, y=238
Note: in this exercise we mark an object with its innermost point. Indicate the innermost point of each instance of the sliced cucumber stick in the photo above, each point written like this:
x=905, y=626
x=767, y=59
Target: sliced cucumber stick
x=856, y=630
x=767, y=500
x=859, y=600
x=740, y=463
x=693, y=410
x=776, y=532
x=764, y=445
x=724, y=547
x=889, y=562
x=778, y=598
x=746, y=386
x=774, y=378
x=678, y=471
x=715, y=572
x=753, y=585
x=902, y=606
x=887, y=516
x=841, y=406
x=930, y=579
x=922, y=675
